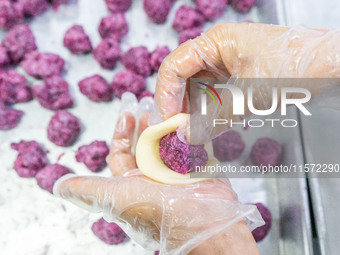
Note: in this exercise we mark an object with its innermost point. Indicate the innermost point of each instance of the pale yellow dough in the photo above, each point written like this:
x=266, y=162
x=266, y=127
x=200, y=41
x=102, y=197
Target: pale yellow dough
x=147, y=153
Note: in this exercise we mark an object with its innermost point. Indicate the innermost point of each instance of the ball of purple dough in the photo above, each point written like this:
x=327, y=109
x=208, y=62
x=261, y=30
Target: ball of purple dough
x=32, y=8
x=18, y=42
x=127, y=81
x=243, y=6
x=107, y=53
x=137, y=60
x=4, y=59
x=96, y=88
x=181, y=157
x=145, y=93
x=31, y=158
x=157, y=10
x=228, y=146
x=186, y=18
x=47, y=176
x=9, y=118
x=211, y=9
x=157, y=57
x=53, y=94
x=42, y=65
x=63, y=128
x=11, y=13
x=109, y=233
x=93, y=155
x=118, y=5
x=114, y=26
x=261, y=232
x=189, y=34
x=14, y=88
x=77, y=41
x=266, y=151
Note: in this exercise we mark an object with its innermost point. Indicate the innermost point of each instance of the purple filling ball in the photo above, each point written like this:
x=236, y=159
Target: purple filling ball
x=113, y=26
x=137, y=60
x=42, y=65
x=109, y=233
x=9, y=118
x=53, y=94
x=31, y=158
x=32, y=8
x=228, y=146
x=156, y=252
x=127, y=81
x=11, y=13
x=118, y=5
x=157, y=10
x=181, y=157
x=18, y=42
x=14, y=88
x=57, y=3
x=107, y=53
x=157, y=57
x=243, y=6
x=189, y=34
x=96, y=88
x=77, y=41
x=261, y=232
x=93, y=155
x=4, y=59
x=63, y=128
x=211, y=9
x=145, y=93
x=47, y=176
x=266, y=151
x=187, y=17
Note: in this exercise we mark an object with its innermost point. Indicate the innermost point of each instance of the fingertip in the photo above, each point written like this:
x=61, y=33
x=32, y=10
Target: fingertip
x=57, y=184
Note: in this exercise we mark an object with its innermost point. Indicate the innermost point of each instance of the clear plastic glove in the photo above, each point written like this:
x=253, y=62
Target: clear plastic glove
x=245, y=50
x=171, y=218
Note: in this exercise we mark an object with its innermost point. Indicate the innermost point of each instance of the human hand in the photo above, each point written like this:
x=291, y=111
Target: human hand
x=245, y=50
x=203, y=217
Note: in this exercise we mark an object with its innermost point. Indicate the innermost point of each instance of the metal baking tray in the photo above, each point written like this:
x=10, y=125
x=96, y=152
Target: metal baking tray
x=287, y=198
x=322, y=146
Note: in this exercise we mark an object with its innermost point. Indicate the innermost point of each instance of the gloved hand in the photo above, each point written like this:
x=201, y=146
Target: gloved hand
x=244, y=50
x=171, y=218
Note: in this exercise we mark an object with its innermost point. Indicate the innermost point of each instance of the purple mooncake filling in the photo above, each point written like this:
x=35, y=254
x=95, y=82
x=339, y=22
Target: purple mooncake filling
x=181, y=157
x=18, y=42
x=93, y=155
x=266, y=151
x=96, y=88
x=77, y=41
x=42, y=65
x=211, y=9
x=107, y=53
x=47, y=176
x=63, y=128
x=157, y=10
x=228, y=146
x=261, y=232
x=114, y=26
x=31, y=158
x=137, y=60
x=109, y=233
x=127, y=81
x=187, y=17
x=189, y=34
x=118, y=5
x=157, y=57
